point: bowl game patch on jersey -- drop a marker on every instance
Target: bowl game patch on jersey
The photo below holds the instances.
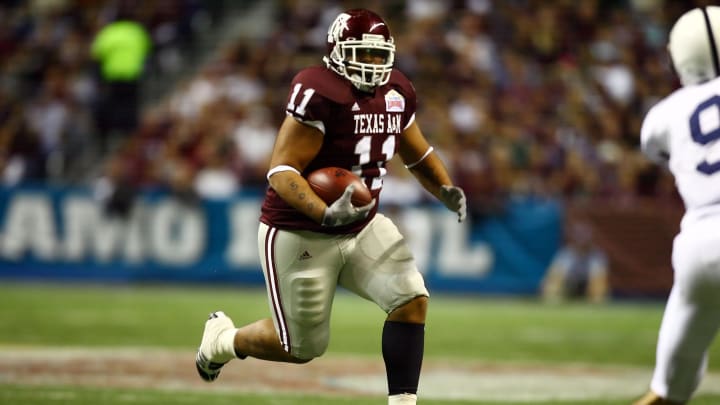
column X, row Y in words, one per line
column 394, row 101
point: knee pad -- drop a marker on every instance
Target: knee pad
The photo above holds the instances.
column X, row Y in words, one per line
column 311, row 300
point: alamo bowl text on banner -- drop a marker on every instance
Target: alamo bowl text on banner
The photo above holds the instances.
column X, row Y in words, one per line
column 65, row 234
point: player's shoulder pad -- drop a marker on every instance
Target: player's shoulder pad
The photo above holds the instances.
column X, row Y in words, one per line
column 654, row 131
column 326, row 83
column 653, row 119
column 399, row 81
column 662, row 110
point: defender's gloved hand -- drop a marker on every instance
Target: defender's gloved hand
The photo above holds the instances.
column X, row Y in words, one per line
column 454, row 199
column 342, row 212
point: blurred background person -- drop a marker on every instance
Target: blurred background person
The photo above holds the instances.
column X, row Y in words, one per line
column 115, row 190
column 579, row 270
column 120, row 48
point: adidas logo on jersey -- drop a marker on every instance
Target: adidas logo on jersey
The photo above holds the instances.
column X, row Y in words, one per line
column 305, row 255
column 355, row 107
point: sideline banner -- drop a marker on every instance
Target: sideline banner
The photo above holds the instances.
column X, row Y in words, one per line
column 63, row 233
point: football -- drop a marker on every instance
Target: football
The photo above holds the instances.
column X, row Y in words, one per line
column 330, row 182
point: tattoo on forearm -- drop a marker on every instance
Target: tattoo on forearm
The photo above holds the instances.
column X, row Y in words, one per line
column 302, row 196
column 294, row 186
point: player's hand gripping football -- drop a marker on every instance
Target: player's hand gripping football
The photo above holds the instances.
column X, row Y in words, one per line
column 342, row 212
column 454, row 199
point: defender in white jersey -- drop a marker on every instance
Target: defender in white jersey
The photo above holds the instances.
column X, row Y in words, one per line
column 683, row 131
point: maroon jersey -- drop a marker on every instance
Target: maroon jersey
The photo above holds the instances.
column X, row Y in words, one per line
column 360, row 130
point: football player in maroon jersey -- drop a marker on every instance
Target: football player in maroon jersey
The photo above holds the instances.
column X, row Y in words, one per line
column 354, row 112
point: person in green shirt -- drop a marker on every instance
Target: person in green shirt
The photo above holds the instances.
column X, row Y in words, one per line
column 120, row 48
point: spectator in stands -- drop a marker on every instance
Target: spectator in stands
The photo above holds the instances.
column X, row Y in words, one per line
column 558, row 82
column 216, row 179
column 254, row 137
column 579, row 270
column 120, row 48
column 115, row 191
column 20, row 148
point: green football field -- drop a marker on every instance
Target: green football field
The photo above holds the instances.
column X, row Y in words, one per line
column 135, row 344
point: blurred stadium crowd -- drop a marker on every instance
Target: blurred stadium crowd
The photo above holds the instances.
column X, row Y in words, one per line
column 522, row 97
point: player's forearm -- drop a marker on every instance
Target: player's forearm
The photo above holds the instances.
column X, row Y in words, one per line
column 432, row 174
column 295, row 190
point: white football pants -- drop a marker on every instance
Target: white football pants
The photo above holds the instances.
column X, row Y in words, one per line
column 692, row 314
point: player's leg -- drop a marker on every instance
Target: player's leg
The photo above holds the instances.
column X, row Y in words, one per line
column 260, row 340
column 674, row 356
column 381, row 268
column 691, row 318
column 222, row 342
column 301, row 275
column 301, row 271
column 403, row 345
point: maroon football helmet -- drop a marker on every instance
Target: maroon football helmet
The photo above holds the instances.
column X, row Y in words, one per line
column 359, row 32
